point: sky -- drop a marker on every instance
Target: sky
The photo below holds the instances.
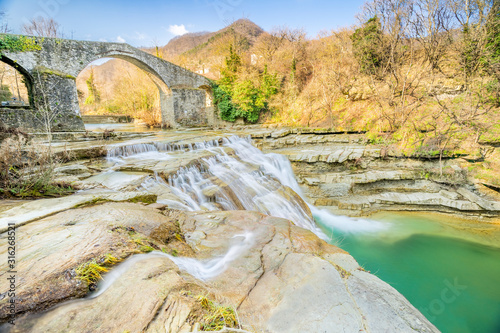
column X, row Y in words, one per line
column 155, row 22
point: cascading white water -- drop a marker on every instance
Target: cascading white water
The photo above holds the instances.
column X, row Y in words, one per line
column 247, row 179
column 256, row 181
column 139, row 148
column 279, row 167
column 155, row 150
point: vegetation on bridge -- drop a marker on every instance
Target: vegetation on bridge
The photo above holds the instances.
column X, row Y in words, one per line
column 15, row 43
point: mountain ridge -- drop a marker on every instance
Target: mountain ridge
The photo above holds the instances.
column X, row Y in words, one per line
column 190, row 41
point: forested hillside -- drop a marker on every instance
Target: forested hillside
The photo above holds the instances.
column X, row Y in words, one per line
column 422, row 74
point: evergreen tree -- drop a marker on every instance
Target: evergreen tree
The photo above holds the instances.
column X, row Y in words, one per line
column 493, row 40
column 238, row 97
column 230, row 70
column 367, row 43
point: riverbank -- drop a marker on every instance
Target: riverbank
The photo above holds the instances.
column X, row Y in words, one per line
column 188, row 198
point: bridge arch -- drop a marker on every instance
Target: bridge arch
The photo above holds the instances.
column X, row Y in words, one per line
column 62, row 60
column 121, row 86
column 130, row 58
column 28, row 78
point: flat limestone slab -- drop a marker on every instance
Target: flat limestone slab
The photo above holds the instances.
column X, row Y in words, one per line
column 49, row 250
column 35, row 210
column 146, row 284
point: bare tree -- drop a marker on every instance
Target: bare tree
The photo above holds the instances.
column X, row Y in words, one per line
column 43, row 27
column 293, row 40
column 291, row 58
column 394, row 79
column 266, row 46
column 432, row 28
column 4, row 27
column 334, row 74
column 45, row 114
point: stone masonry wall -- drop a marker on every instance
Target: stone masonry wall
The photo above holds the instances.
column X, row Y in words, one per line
column 189, row 107
column 19, row 118
column 56, row 101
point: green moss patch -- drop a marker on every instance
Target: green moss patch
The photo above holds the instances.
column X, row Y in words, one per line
column 90, row 272
column 48, row 71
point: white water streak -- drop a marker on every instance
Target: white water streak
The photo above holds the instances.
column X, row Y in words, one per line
column 202, row 270
column 347, row 224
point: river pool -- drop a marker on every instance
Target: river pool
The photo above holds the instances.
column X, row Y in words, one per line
column 448, row 268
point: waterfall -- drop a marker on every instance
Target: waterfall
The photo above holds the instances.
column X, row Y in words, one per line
column 248, row 180
column 154, row 150
column 244, row 179
column 279, row 167
column 139, row 148
column 237, row 176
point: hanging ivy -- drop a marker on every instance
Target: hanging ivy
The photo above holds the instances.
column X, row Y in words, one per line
column 14, row 43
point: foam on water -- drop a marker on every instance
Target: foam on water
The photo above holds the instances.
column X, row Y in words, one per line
column 347, row 224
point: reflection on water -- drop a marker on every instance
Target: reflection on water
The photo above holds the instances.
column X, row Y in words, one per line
column 446, row 267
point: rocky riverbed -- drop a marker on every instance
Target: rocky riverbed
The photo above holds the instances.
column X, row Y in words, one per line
column 288, row 280
column 181, row 222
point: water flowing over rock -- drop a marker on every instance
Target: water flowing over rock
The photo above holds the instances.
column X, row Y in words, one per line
column 216, row 219
column 244, row 178
column 288, row 280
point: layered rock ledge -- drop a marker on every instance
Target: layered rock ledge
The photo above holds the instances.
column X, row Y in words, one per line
column 345, row 174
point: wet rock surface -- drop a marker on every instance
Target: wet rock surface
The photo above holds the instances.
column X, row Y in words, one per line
column 287, row 281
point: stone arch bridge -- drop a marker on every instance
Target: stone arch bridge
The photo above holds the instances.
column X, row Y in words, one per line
column 50, row 69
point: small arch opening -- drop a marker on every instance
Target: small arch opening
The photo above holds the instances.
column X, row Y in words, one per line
column 208, row 95
column 15, row 86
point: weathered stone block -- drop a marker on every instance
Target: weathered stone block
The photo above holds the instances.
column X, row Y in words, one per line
column 189, row 107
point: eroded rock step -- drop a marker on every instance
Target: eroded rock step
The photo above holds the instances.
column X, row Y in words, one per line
column 346, row 175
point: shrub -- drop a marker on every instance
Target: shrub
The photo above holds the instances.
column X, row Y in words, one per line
column 237, row 96
column 27, row 169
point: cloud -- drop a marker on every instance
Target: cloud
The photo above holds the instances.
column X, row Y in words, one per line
column 177, row 30
column 103, row 40
column 119, row 39
column 140, row 36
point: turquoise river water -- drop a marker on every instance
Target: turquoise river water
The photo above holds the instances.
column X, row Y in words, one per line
column 446, row 267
